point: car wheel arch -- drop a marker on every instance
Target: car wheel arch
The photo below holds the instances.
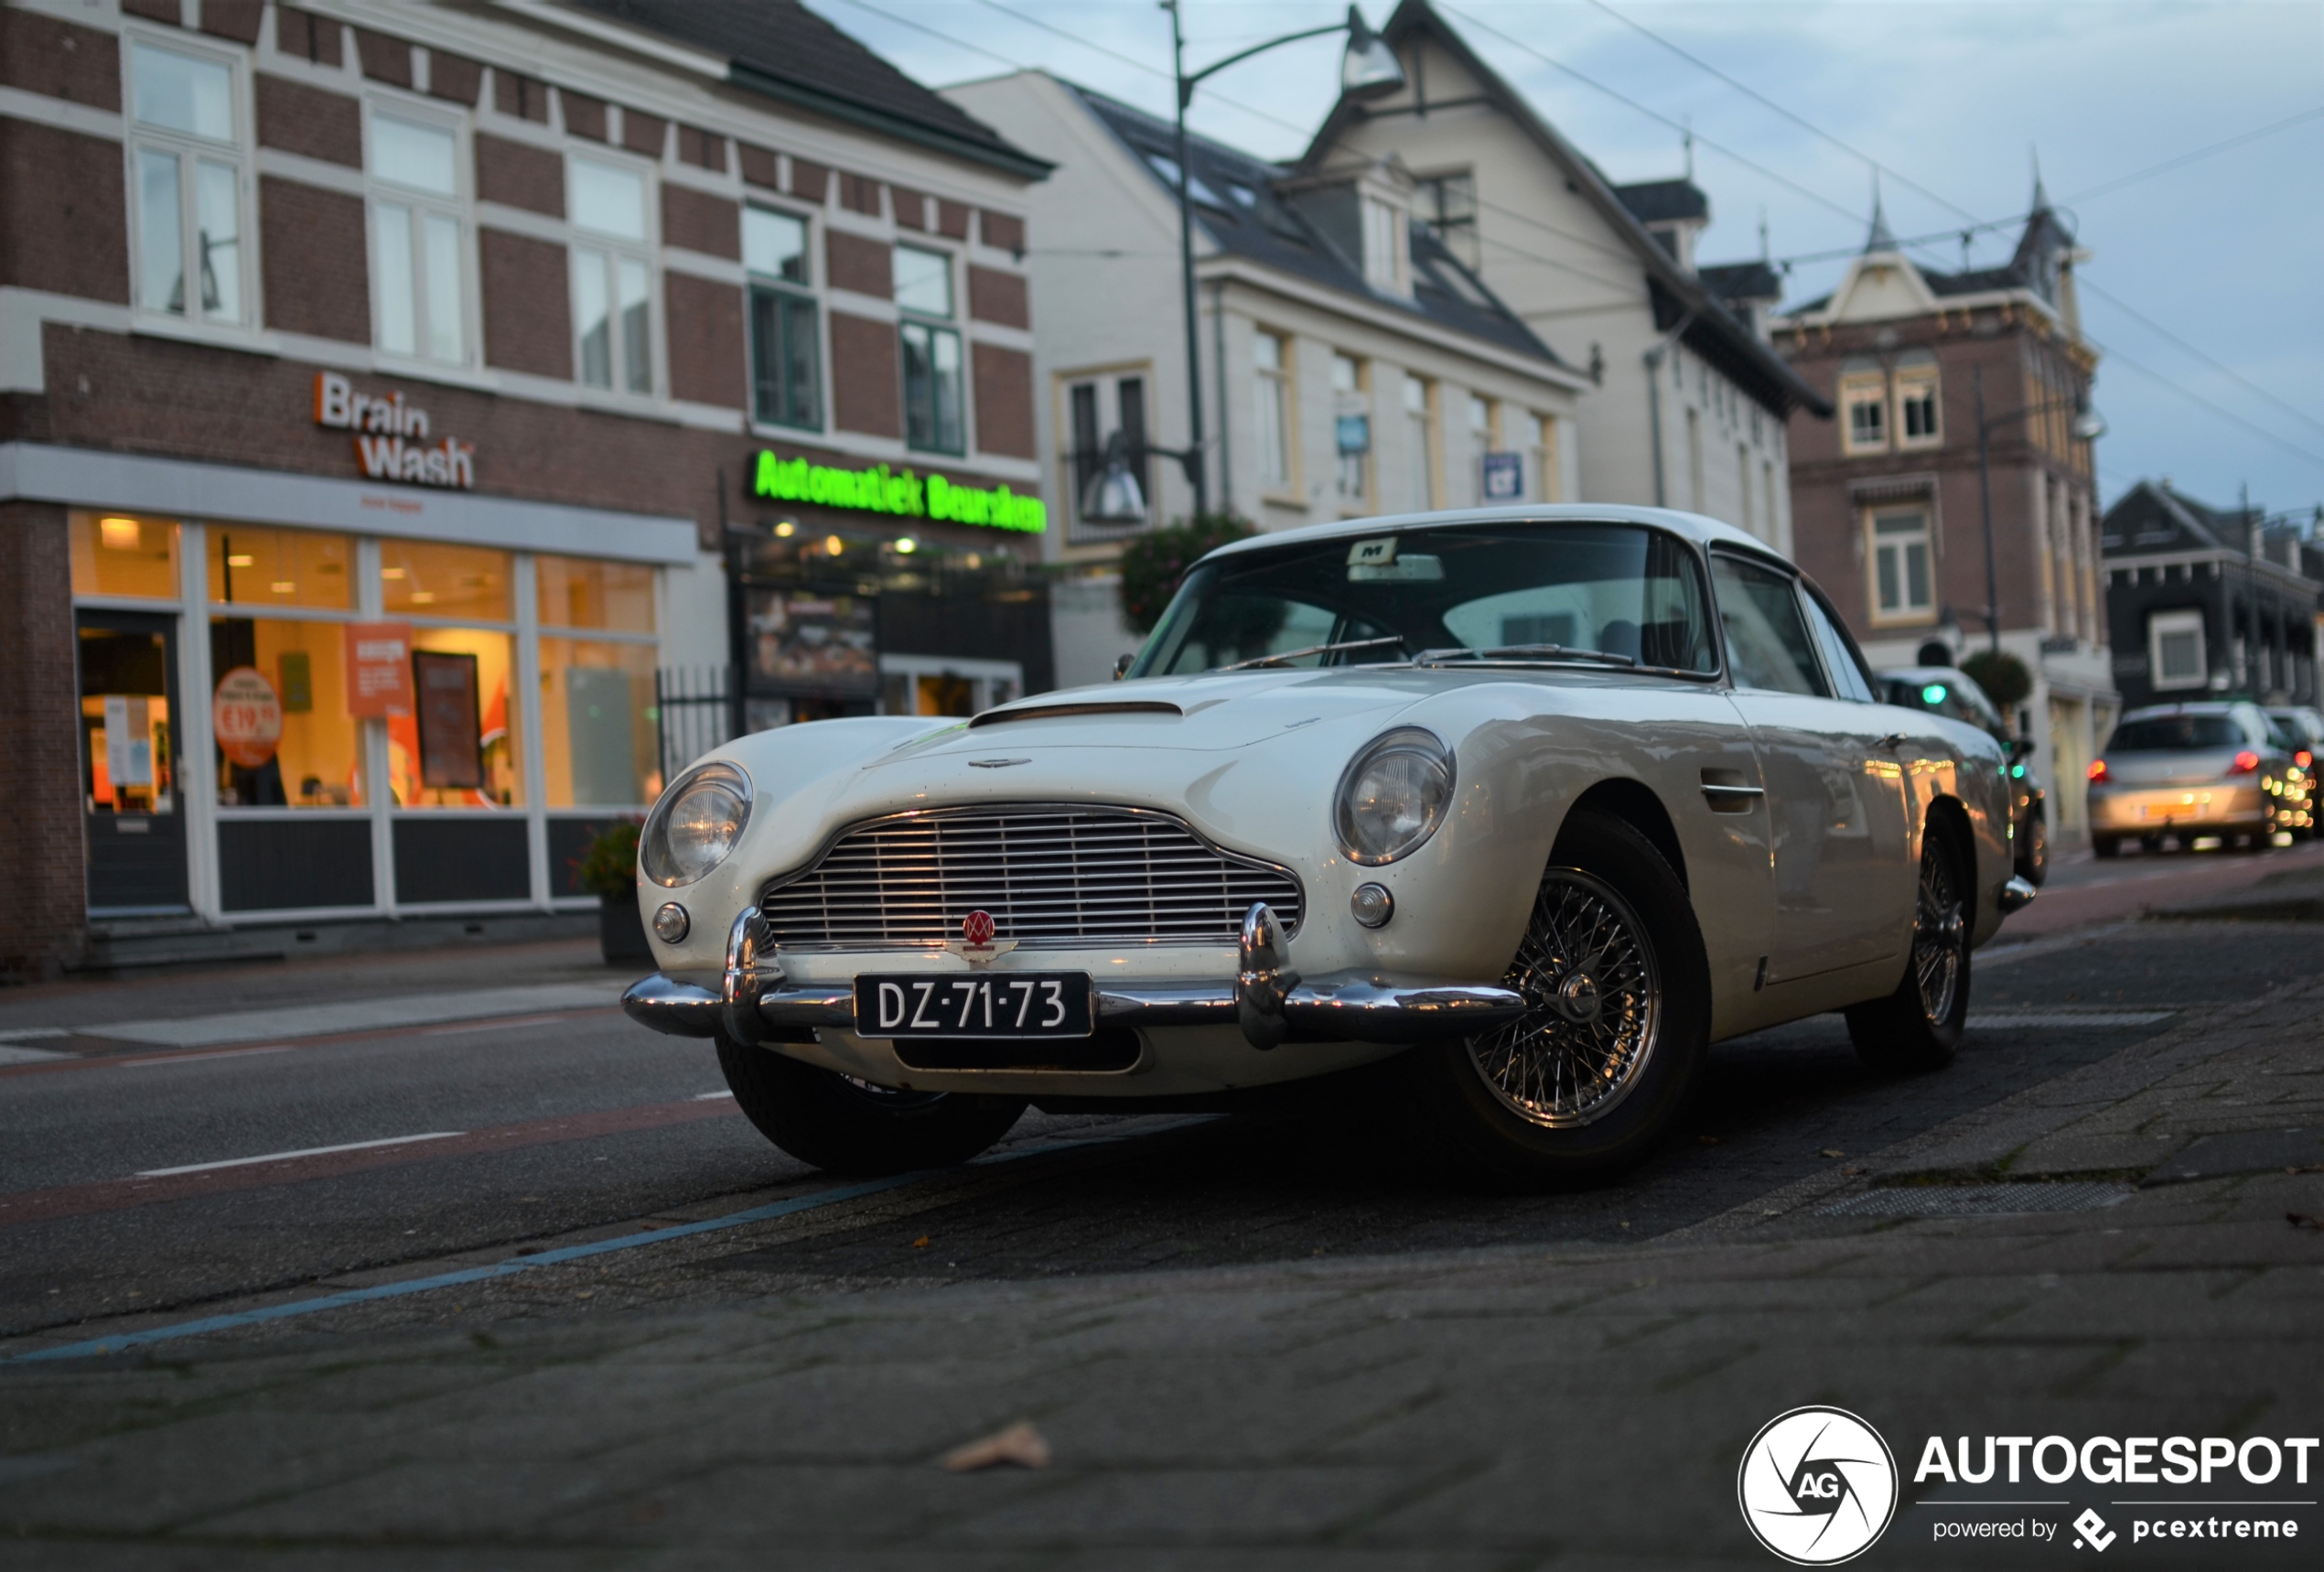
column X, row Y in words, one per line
column 1953, row 814
column 1634, row 802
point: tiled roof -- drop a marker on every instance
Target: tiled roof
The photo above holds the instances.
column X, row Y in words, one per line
column 1248, row 214
column 781, row 46
column 1662, row 201
column 2151, row 517
column 1735, row 282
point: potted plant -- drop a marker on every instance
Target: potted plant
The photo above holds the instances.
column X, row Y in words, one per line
column 607, row 867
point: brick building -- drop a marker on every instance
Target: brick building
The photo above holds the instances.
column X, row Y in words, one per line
column 389, row 393
column 1887, row 499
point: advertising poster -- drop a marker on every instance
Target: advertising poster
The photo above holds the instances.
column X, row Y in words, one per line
column 808, row 644
column 378, row 671
column 247, row 715
column 450, row 721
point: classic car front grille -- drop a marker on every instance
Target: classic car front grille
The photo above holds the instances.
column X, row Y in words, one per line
column 1048, row 876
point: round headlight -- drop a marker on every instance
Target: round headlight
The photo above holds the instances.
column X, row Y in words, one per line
column 1394, row 794
column 695, row 825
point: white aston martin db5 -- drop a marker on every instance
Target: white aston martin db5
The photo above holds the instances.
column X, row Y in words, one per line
column 1545, row 800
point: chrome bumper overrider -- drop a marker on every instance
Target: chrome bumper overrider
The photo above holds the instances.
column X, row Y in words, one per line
column 1271, row 1003
column 2016, row 893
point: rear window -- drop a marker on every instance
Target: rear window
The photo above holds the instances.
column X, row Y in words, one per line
column 2176, row 733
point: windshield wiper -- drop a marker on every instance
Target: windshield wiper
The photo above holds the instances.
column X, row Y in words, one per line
column 1290, row 656
column 1522, row 652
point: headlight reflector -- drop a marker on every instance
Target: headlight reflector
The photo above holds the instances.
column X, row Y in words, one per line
column 697, row 822
column 1394, row 796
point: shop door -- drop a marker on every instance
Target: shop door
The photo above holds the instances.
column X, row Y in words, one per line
column 130, row 757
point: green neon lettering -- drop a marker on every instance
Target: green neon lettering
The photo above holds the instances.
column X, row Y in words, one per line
column 879, row 490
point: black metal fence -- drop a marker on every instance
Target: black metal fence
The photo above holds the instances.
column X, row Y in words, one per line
column 695, row 707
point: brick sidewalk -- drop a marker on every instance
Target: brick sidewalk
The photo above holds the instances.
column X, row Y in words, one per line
column 1505, row 1407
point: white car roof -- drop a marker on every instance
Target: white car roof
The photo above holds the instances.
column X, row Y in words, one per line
column 1694, row 527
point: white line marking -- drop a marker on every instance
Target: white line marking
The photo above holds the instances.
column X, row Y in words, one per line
column 135, row 1061
column 710, row 1096
column 302, row 1152
column 27, row 1033
column 2019, row 1018
column 504, row 1024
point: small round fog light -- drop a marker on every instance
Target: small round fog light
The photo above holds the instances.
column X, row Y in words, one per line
column 670, row 923
column 1372, row 905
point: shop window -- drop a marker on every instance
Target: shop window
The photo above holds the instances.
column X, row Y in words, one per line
column 1902, row 582
column 1352, row 429
column 612, row 284
column 458, row 748
column 933, row 391
column 786, row 355
column 1271, row 369
column 279, row 714
column 417, row 273
column 250, row 565
column 429, row 580
column 1420, row 445
column 599, row 729
column 113, row 554
column 189, row 170
column 576, row 593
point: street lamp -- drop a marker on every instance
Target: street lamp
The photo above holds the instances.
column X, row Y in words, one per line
column 2087, row 426
column 1368, row 69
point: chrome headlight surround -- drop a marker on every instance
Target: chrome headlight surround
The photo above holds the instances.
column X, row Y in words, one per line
column 696, row 824
column 1392, row 796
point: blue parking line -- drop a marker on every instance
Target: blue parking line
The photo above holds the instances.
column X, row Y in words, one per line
column 122, row 1341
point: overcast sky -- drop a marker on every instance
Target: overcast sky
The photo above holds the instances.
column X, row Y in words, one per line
column 2225, row 254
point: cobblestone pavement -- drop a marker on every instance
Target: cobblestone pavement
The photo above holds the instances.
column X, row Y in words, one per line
column 1438, row 1379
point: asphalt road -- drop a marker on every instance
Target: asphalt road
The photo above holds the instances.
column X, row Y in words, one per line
column 127, row 1185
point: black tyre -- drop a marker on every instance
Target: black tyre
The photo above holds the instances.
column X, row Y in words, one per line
column 1589, row 1080
column 849, row 1126
column 2033, row 856
column 2111, row 847
column 1919, row 1027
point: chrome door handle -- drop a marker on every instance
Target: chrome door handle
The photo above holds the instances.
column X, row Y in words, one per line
column 1894, row 740
column 1731, row 796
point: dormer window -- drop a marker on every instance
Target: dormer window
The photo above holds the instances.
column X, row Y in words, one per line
column 1387, row 249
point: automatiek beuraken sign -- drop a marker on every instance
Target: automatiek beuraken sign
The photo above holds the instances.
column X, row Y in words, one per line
column 391, row 436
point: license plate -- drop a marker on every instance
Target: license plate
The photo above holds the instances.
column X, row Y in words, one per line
column 1003, row 1004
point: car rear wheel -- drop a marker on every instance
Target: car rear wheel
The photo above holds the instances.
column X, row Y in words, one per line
column 2109, row 847
column 2033, row 859
column 1589, row 1079
column 1919, row 1027
column 849, row 1126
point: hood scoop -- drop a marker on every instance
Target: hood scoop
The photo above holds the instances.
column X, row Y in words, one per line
column 1089, row 706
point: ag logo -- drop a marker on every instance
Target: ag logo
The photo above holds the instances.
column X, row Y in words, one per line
column 1817, row 1487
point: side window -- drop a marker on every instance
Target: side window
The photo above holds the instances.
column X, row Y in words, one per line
column 1849, row 676
column 1768, row 644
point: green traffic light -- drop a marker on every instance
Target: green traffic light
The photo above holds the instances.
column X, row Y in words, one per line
column 1934, row 693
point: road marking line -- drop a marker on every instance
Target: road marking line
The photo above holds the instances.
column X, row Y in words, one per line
column 710, row 1096
column 508, row 1268
column 302, row 1152
column 505, row 1022
column 139, row 1060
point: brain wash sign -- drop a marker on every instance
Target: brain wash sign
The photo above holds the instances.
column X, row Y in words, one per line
column 904, row 494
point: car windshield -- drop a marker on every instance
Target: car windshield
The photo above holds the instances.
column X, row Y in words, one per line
column 2175, row 734
column 1605, row 595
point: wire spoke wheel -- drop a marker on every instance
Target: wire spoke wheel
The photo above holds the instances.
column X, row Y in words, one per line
column 1588, row 969
column 1940, row 933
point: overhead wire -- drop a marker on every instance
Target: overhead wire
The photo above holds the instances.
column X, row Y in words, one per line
column 2183, row 390
column 2151, row 325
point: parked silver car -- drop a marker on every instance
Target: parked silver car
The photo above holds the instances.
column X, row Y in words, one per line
column 2217, row 768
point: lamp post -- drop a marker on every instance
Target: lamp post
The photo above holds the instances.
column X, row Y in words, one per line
column 2088, row 427
column 1368, row 69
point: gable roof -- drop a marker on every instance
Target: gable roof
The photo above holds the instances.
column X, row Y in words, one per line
column 780, row 50
column 2042, row 247
column 2151, row 517
column 1710, row 329
column 1250, row 214
column 1735, row 282
column 1664, row 201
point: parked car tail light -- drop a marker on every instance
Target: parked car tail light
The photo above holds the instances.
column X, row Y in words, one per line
column 2098, row 771
column 2245, row 762
column 2303, row 759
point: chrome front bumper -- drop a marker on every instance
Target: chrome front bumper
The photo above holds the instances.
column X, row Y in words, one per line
column 752, row 1002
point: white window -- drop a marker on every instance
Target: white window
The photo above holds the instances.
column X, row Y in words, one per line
column 934, row 400
column 1903, row 587
column 418, row 240
column 1352, row 428
column 1917, row 403
column 2175, row 651
column 786, row 338
column 1863, row 407
column 1695, row 459
column 1743, row 490
column 1270, row 370
column 612, row 276
column 1537, row 441
column 1484, row 436
column 1385, row 249
column 1420, row 445
column 186, row 180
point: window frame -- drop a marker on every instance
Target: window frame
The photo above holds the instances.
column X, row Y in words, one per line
column 1423, row 432
column 1361, row 500
column 1278, row 384
column 1913, row 380
column 908, row 318
column 757, row 284
column 1859, row 390
column 460, row 207
column 615, row 250
column 2161, row 624
column 238, row 152
column 1906, row 614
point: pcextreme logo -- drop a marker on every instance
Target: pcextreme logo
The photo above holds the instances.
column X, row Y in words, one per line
column 1817, row 1487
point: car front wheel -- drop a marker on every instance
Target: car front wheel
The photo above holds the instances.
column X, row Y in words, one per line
column 1589, row 1079
column 850, row 1127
